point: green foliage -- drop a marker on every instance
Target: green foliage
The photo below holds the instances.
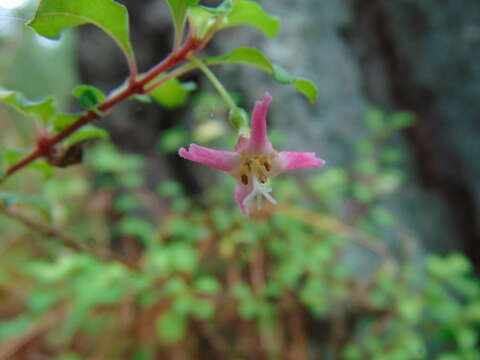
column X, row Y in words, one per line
column 179, row 11
column 54, row 16
column 256, row 58
column 247, row 12
column 172, row 93
column 42, row 110
column 243, row 12
column 89, row 96
column 86, row 133
column 12, row 156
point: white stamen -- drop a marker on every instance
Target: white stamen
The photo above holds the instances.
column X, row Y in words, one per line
column 258, row 191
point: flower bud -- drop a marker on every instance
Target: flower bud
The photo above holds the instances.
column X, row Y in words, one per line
column 239, row 119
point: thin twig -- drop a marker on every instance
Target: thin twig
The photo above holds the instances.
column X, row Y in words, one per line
column 134, row 87
column 51, row 232
column 43, row 229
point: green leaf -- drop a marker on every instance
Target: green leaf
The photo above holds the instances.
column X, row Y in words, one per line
column 247, row 12
column 203, row 18
column 207, row 285
column 85, row 133
column 14, row 156
column 307, row 88
column 14, row 327
column 43, row 109
column 179, row 11
column 139, row 227
column 172, row 93
column 243, row 55
column 256, row 58
column 171, row 327
column 89, row 96
column 62, row 120
column 54, row 16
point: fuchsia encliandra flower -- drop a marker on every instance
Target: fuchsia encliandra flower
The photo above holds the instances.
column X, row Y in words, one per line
column 254, row 160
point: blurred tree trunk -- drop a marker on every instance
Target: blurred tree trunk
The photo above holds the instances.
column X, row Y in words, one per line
column 399, row 55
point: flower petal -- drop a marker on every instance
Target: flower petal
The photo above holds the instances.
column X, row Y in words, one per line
column 241, row 192
column 259, row 142
column 298, row 160
column 218, row 159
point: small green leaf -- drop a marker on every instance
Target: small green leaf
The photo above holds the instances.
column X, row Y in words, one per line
column 62, row 120
column 202, row 18
column 179, row 9
column 171, row 327
column 85, row 133
column 137, row 226
column 43, row 109
column 172, row 93
column 89, row 96
column 243, row 55
column 254, row 57
column 247, row 12
column 54, row 16
column 14, row 156
column 307, row 88
column 207, row 285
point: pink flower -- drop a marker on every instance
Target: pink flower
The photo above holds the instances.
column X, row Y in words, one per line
column 254, row 160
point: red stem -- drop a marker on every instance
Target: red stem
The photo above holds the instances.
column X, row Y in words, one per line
column 134, row 87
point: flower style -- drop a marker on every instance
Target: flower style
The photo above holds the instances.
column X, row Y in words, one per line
column 254, row 160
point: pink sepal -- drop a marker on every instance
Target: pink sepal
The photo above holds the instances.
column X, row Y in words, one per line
column 298, row 160
column 259, row 142
column 241, row 192
column 218, row 159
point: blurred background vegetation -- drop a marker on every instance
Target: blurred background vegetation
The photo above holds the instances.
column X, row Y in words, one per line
column 374, row 256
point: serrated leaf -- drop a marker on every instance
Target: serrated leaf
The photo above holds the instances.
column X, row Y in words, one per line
column 54, row 16
column 85, row 133
column 89, row 96
column 256, row 58
column 43, row 109
column 172, row 93
column 247, row 12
